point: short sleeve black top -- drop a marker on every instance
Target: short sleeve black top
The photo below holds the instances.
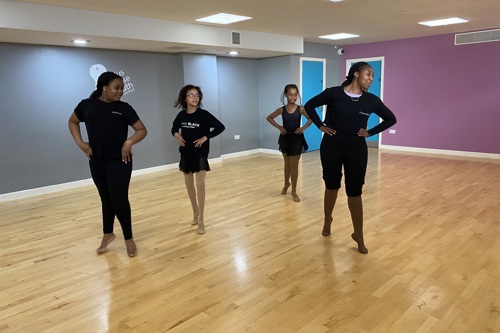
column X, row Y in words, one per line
column 347, row 115
column 193, row 126
column 106, row 124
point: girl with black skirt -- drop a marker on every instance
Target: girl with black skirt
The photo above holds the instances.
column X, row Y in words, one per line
column 292, row 142
column 193, row 128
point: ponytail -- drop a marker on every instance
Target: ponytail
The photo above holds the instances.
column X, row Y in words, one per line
column 103, row 80
column 354, row 68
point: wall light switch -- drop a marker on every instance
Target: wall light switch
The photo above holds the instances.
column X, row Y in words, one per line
column 237, row 137
column 392, row 131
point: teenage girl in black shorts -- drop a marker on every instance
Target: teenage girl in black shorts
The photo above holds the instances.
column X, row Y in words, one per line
column 344, row 145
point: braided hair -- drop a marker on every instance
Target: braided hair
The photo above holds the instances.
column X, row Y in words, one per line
column 103, row 80
column 289, row 87
column 357, row 67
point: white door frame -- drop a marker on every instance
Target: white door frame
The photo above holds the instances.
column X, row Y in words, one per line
column 348, row 64
column 323, row 60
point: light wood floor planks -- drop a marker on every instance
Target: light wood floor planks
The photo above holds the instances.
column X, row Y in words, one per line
column 432, row 225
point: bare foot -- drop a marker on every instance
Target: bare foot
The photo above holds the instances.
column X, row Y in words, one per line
column 131, row 247
column 106, row 239
column 326, row 227
column 361, row 243
column 285, row 188
column 295, row 197
column 201, row 227
column 195, row 217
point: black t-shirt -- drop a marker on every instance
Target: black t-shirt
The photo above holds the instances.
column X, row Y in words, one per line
column 193, row 126
column 347, row 115
column 107, row 125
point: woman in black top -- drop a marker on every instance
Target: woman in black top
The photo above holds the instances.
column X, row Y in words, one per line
column 344, row 145
column 109, row 152
column 192, row 128
column 292, row 142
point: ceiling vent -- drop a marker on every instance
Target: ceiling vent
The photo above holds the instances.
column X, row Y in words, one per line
column 478, row 37
column 235, row 38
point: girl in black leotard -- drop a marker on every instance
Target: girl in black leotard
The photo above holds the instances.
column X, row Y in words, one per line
column 291, row 140
column 344, row 145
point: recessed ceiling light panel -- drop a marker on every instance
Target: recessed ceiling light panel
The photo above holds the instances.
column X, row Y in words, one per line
column 342, row 35
column 447, row 21
column 79, row 41
column 223, row 18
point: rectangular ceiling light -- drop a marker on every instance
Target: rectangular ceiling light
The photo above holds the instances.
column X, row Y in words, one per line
column 339, row 36
column 451, row 20
column 336, row 0
column 223, row 18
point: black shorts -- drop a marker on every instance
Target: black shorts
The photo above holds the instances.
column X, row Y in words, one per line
column 350, row 152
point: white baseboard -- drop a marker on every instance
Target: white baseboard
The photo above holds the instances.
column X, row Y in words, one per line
column 76, row 184
column 44, row 190
column 270, row 151
column 441, row 152
column 159, row 168
column 86, row 182
column 240, row 153
column 251, row 152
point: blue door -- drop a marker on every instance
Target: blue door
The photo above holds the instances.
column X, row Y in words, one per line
column 312, row 84
column 375, row 89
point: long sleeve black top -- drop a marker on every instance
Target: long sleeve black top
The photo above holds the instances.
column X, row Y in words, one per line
column 193, row 126
column 347, row 115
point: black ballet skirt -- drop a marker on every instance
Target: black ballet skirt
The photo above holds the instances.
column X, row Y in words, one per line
column 292, row 144
column 193, row 164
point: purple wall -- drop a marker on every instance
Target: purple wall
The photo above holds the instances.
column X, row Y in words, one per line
column 444, row 96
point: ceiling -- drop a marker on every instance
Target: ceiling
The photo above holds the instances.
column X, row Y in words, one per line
column 373, row 20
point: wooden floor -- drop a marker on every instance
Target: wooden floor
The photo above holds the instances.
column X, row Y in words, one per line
column 432, row 225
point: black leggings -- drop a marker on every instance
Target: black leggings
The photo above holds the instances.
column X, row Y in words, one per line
column 112, row 178
column 345, row 150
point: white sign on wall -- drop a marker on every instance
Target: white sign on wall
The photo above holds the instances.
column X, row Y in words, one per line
column 97, row 69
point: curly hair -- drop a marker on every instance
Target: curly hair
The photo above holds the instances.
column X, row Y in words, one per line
column 181, row 100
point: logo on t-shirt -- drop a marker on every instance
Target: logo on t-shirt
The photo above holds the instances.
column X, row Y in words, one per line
column 188, row 124
column 116, row 112
column 364, row 113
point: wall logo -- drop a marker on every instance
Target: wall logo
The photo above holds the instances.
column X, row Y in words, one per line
column 128, row 87
column 98, row 69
